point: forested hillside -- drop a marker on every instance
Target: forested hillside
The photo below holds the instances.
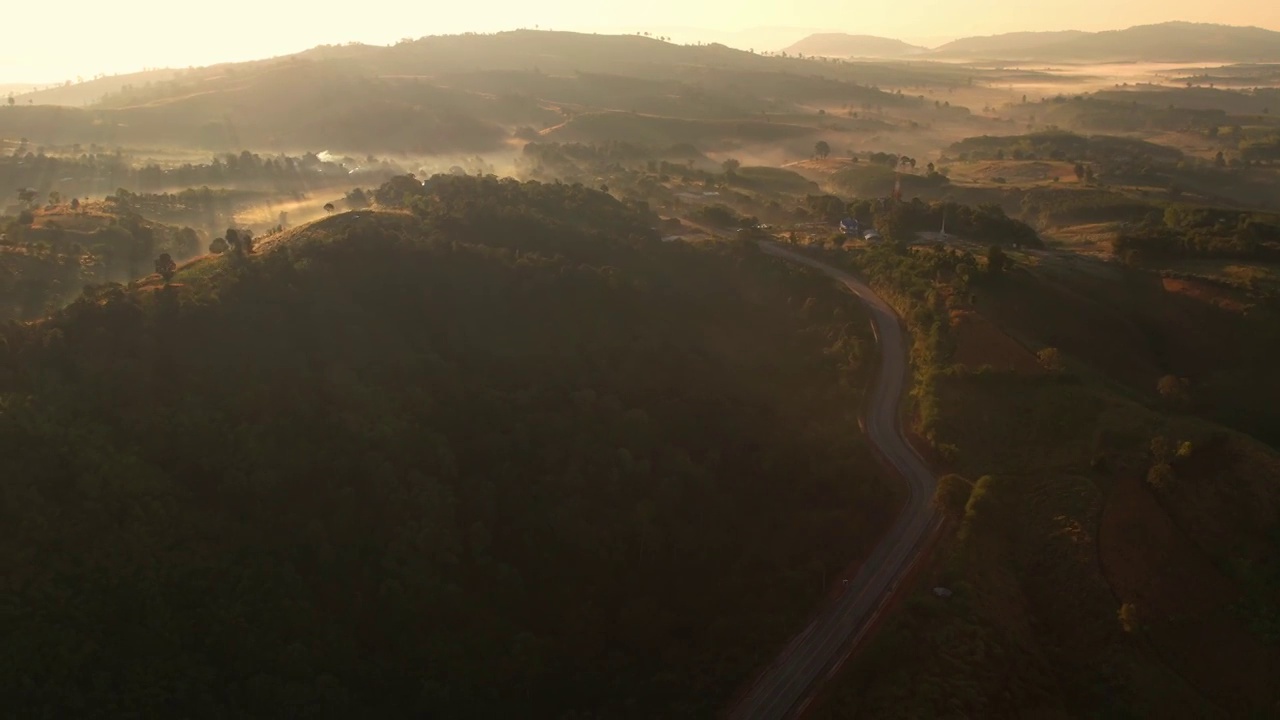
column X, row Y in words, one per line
column 505, row 455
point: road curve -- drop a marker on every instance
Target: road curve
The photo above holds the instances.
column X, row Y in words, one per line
column 784, row 687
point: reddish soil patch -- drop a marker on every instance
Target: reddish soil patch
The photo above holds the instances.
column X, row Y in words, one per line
column 979, row 343
column 1204, row 292
column 1183, row 602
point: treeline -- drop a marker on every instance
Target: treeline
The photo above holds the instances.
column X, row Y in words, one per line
column 1096, row 114
column 98, row 173
column 1261, row 150
column 508, row 456
column 627, row 167
column 899, row 222
column 1202, row 232
column 43, row 267
column 1062, row 206
column 878, row 179
column 1061, row 145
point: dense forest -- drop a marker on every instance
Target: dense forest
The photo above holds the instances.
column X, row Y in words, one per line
column 93, row 171
column 505, row 454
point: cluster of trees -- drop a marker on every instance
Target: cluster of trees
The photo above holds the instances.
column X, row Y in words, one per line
column 723, row 216
column 564, row 160
column 1062, row 145
column 879, row 179
column 899, row 222
column 510, row 455
column 1097, row 114
column 96, row 174
column 908, row 281
column 1261, row 150
column 1185, row 231
column 43, row 267
column 1050, row 206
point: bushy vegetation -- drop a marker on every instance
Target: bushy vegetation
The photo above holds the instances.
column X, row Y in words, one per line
column 1101, row 114
column 899, row 222
column 97, row 172
column 1043, row 616
column 870, row 179
column 1202, row 232
column 509, row 455
column 1054, row 206
column 1060, row 145
column 46, row 259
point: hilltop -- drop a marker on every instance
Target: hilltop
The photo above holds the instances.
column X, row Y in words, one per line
column 845, row 45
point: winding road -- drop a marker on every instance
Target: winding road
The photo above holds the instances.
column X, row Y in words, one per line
column 785, row 687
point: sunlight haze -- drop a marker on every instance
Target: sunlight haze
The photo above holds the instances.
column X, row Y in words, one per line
column 136, row 34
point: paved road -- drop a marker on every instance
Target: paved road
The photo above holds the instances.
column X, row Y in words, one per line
column 784, row 688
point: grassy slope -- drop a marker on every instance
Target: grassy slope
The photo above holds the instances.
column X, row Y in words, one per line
column 1069, row 531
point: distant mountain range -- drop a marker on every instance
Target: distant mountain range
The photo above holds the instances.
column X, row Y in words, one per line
column 1165, row 42
column 844, row 45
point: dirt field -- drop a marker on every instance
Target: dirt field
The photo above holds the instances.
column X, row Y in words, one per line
column 979, row 343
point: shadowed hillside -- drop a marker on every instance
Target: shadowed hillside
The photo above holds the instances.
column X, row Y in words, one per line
column 506, row 454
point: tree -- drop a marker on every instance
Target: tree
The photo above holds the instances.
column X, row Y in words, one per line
column 328, row 207
column 357, row 199
column 1080, row 171
column 1161, row 471
column 952, row 495
column 997, row 261
column 1220, row 160
column 55, row 197
column 1050, row 359
column 1129, row 618
column 75, row 203
column 11, row 100
column 166, row 267
column 26, row 196
column 218, row 246
column 730, row 166
column 822, row 149
column 1174, row 390
column 1088, row 173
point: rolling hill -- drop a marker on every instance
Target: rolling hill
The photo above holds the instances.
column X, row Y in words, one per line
column 1165, row 42
column 444, row 94
column 846, row 46
column 1015, row 44
column 357, row 473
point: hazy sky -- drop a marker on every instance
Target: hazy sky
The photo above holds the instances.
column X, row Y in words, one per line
column 85, row 37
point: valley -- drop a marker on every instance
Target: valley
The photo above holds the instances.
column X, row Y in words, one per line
column 561, row 374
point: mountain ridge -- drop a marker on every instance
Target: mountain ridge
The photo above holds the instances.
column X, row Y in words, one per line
column 848, row 45
column 1174, row 41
